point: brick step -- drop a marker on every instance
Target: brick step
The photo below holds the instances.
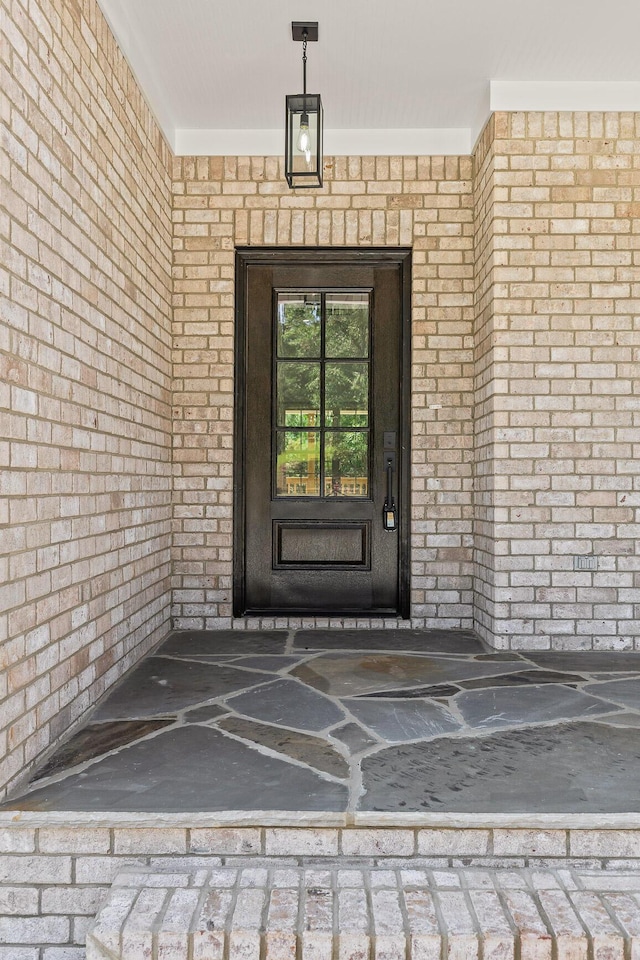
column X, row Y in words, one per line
column 333, row 912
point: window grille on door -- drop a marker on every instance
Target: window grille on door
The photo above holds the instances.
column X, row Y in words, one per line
column 321, row 394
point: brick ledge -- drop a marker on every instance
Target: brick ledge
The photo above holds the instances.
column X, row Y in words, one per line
column 302, row 819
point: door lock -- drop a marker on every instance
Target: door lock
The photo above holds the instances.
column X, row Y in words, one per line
column 389, row 510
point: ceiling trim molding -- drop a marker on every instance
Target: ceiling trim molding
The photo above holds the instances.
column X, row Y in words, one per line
column 510, row 95
column 228, row 143
column 455, row 141
column 431, row 141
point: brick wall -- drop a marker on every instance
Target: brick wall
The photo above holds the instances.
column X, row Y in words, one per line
column 484, row 415
column 84, row 372
column 424, row 202
column 558, row 381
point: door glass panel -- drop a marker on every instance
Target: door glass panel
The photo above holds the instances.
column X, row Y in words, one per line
column 298, row 394
column 346, row 394
column 346, row 465
column 322, row 394
column 299, row 323
column 347, row 325
column 298, row 463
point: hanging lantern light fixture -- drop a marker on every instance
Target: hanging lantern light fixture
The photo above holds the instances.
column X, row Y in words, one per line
column 303, row 138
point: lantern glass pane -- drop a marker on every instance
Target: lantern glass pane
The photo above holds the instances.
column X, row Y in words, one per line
column 305, row 142
column 303, row 154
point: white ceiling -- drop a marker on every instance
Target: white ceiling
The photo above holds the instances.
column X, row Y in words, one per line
column 396, row 76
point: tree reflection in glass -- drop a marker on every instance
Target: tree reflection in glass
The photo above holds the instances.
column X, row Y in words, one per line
column 299, row 324
column 298, row 393
column 346, row 396
column 298, row 464
column 347, row 325
column 346, row 467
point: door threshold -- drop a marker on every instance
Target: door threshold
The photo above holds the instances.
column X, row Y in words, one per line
column 332, row 614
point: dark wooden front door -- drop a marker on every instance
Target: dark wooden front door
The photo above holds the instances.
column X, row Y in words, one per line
column 321, row 454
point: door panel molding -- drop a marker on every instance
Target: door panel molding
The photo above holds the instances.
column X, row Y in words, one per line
column 298, row 544
column 353, row 553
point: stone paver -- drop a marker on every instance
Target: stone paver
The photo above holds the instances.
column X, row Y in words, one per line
column 355, row 722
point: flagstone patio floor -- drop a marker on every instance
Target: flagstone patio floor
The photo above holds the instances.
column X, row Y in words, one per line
column 393, row 720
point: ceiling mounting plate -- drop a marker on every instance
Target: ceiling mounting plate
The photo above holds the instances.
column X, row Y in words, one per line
column 299, row 26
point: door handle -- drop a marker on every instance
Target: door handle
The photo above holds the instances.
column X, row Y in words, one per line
column 389, row 511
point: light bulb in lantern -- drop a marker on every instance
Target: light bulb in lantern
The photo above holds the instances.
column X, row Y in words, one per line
column 304, row 138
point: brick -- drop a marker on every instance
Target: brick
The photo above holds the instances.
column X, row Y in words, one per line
column 147, row 841
column 280, row 936
column 565, row 925
column 19, row 900
column 301, row 842
column 64, row 953
column 73, row 840
column 225, row 841
column 353, row 922
column 423, row 925
column 459, row 925
column 72, row 900
column 35, row 869
column 453, row 843
column 37, row 930
column 535, row 938
column 496, row 933
column 244, row 928
column 604, row 843
column 596, row 919
column 17, row 840
column 102, row 870
column 388, row 923
column 372, row 843
column 625, row 908
column 534, row 843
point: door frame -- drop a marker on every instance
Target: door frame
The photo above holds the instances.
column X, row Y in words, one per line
column 264, row 256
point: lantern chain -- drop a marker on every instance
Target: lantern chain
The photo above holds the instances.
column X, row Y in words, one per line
column 304, row 62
